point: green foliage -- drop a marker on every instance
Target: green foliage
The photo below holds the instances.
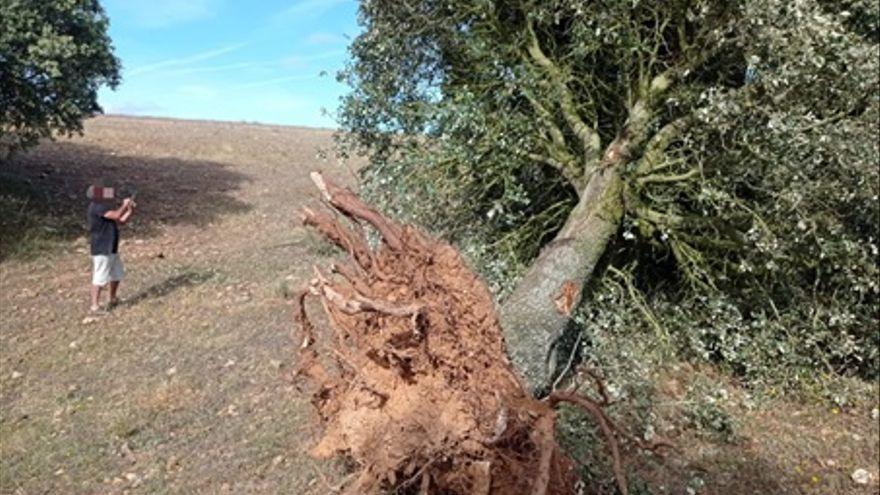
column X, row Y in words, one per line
column 705, row 409
column 775, row 241
column 54, row 55
column 751, row 231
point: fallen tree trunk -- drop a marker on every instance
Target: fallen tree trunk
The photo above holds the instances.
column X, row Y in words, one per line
column 412, row 381
column 535, row 315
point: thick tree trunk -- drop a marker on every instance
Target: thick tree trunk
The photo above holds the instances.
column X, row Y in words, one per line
column 535, row 315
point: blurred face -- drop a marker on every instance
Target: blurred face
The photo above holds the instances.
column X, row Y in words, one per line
column 101, row 193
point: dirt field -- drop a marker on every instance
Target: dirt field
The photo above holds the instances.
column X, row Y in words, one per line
column 180, row 389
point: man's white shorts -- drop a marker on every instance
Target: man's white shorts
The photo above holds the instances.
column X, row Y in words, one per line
column 106, row 268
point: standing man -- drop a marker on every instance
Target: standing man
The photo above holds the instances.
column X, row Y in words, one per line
column 104, row 222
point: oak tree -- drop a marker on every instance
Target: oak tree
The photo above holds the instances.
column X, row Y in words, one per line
column 705, row 172
column 54, row 55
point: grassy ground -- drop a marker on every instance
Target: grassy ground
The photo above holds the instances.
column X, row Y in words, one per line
column 730, row 443
column 181, row 389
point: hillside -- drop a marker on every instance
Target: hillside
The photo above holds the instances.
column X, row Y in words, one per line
column 181, row 389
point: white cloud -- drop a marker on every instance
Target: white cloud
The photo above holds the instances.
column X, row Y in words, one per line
column 176, row 62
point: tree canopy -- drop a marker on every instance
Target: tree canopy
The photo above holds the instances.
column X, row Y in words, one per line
column 714, row 164
column 53, row 58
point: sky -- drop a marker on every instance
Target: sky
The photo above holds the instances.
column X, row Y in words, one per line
column 268, row 61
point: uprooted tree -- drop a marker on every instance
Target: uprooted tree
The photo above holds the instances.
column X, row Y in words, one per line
column 719, row 160
column 703, row 172
column 410, row 375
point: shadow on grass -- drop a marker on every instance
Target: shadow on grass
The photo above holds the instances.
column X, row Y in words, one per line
column 696, row 464
column 730, row 470
column 169, row 285
column 43, row 201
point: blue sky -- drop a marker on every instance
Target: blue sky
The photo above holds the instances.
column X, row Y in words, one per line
column 258, row 61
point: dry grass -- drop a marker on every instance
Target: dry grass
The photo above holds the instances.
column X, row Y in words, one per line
column 180, row 389
column 779, row 446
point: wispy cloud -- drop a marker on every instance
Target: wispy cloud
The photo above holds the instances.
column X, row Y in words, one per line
column 276, row 80
column 219, row 68
column 134, row 108
column 185, row 59
column 324, row 38
column 300, row 59
column 198, row 91
column 307, row 8
column 179, row 61
column 182, row 66
column 164, row 13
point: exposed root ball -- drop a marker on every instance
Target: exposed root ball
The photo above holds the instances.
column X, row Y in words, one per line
column 411, row 380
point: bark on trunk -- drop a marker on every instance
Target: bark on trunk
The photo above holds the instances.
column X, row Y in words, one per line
column 531, row 317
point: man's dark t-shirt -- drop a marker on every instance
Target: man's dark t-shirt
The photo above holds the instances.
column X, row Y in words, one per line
column 104, row 234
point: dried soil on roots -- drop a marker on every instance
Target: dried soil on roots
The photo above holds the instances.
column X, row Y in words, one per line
column 411, row 379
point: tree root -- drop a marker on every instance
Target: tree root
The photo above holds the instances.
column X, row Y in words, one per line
column 411, row 379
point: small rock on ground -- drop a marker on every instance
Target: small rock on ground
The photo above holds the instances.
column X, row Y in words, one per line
column 861, row 476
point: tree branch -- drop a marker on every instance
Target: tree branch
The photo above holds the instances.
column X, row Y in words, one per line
column 569, row 170
column 560, row 157
column 665, row 179
column 587, row 135
column 656, row 146
column 545, row 115
column 642, row 112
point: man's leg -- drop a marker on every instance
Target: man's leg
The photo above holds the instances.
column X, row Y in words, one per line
column 117, row 271
column 114, row 286
column 96, row 297
column 100, row 277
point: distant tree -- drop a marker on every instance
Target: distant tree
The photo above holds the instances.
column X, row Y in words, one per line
column 705, row 170
column 54, row 55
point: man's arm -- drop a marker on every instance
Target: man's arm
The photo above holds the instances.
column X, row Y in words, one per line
column 121, row 214
column 126, row 214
